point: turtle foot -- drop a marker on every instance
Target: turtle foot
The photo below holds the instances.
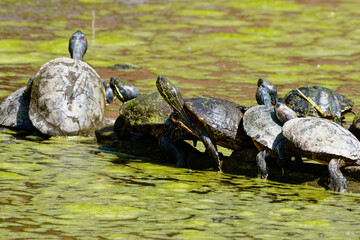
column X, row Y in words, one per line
column 337, row 179
column 339, row 185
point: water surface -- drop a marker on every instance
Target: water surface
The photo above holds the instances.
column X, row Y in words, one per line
column 73, row 188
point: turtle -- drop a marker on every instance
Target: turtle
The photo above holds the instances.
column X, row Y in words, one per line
column 212, row 120
column 263, row 127
column 77, row 49
column 318, row 101
column 67, row 96
column 266, row 93
column 322, row 140
column 14, row 110
column 123, row 91
column 146, row 115
column 315, row 101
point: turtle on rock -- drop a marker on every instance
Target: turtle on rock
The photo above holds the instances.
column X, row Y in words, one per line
column 212, row 120
column 321, row 140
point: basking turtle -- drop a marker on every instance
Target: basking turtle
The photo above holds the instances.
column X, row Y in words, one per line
column 315, row 101
column 77, row 50
column 122, row 90
column 212, row 120
column 318, row 101
column 147, row 115
column 263, row 127
column 144, row 114
column 321, row 140
column 14, row 110
column 67, row 95
column 261, row 124
column 266, row 93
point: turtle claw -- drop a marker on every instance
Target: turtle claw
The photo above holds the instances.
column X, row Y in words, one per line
column 338, row 186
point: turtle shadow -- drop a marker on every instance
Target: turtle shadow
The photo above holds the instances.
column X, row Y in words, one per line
column 146, row 148
column 240, row 162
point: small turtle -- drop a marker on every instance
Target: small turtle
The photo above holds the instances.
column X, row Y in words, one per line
column 67, row 95
column 123, row 91
column 14, row 110
column 212, row 120
column 315, row 101
column 321, row 140
column 266, row 93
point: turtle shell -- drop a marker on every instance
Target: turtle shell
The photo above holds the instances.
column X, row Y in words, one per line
column 146, row 114
column 262, row 125
column 14, row 110
column 329, row 101
column 220, row 117
column 322, row 139
column 67, row 99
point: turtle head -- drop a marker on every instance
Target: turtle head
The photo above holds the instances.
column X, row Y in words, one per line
column 122, row 90
column 284, row 113
column 170, row 93
column 266, row 93
column 77, row 45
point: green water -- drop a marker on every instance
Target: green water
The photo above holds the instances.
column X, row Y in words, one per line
column 75, row 189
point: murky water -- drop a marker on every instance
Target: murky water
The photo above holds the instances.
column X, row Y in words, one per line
column 75, row 189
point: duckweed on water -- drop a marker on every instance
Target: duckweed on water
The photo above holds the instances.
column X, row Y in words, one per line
column 71, row 188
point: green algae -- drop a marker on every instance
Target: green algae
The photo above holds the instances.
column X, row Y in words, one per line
column 200, row 13
column 266, row 5
column 69, row 188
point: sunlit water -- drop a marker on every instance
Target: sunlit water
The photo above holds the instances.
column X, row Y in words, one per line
column 68, row 188
column 74, row 189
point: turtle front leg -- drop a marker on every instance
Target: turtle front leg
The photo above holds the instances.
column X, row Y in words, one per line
column 171, row 150
column 337, row 179
column 262, row 165
column 211, row 150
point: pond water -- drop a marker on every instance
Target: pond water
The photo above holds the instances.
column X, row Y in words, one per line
column 73, row 188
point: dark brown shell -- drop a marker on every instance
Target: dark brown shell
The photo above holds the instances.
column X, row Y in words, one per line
column 220, row 117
